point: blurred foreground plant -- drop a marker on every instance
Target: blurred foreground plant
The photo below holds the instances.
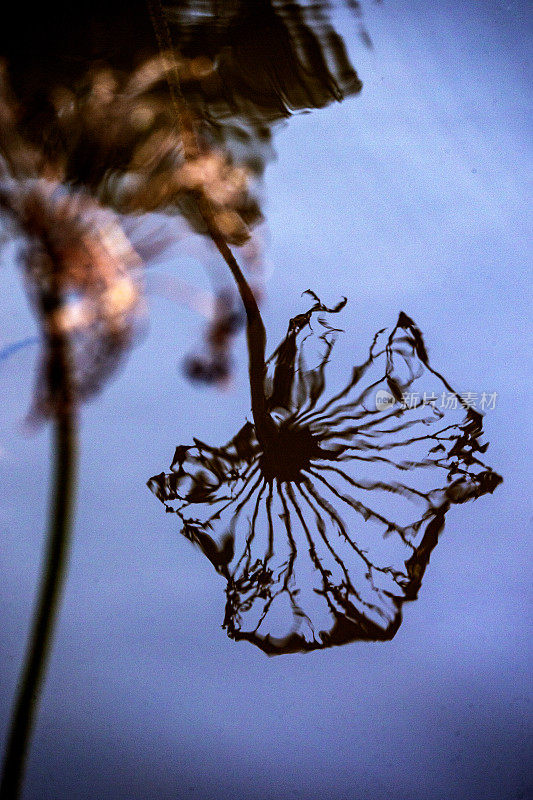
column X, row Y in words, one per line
column 89, row 147
column 80, row 274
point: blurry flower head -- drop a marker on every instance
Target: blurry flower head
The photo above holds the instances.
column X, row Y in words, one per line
column 82, row 275
column 324, row 531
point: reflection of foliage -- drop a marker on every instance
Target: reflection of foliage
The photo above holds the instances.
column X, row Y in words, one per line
column 327, row 529
column 181, row 122
column 95, row 89
column 271, row 58
column 116, row 134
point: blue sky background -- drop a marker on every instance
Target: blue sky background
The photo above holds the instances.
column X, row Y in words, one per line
column 415, row 195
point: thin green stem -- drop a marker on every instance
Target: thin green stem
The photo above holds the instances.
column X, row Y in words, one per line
column 46, row 611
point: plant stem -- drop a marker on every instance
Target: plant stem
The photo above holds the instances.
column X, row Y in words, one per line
column 255, row 330
column 46, row 611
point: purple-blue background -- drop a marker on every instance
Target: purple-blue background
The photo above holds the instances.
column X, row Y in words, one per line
column 413, row 196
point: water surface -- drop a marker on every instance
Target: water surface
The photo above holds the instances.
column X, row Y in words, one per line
column 410, row 196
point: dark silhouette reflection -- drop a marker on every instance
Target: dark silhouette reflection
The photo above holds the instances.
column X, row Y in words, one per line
column 270, row 59
column 322, row 514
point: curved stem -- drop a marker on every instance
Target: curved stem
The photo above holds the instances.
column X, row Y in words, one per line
column 46, row 611
column 255, row 330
